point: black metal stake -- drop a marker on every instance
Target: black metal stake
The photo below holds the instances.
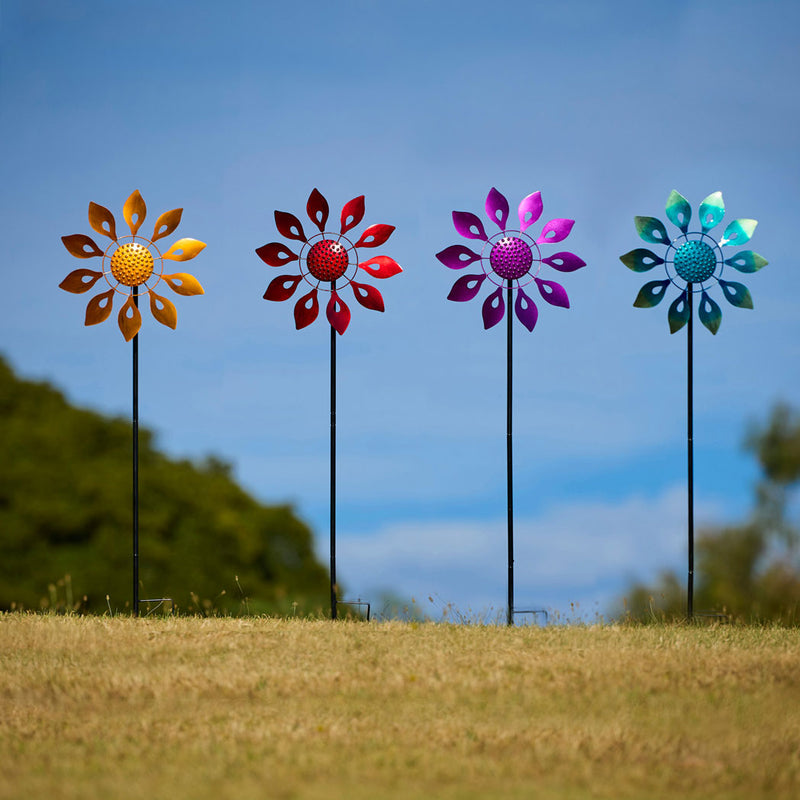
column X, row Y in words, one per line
column 136, row 468
column 333, row 467
column 690, row 457
column 509, row 452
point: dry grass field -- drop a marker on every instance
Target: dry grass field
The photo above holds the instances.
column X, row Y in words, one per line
column 101, row 707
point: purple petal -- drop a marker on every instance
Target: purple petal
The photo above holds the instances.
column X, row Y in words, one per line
column 530, row 209
column 466, row 287
column 553, row 292
column 497, row 208
column 457, row 256
column 555, row 231
column 564, row 262
column 527, row 313
column 465, row 222
column 493, row 308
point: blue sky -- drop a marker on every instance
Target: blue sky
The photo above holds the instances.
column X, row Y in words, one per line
column 232, row 111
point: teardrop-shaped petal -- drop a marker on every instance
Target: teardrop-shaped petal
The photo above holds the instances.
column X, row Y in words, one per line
column 469, row 226
column 99, row 308
column 282, row 287
column 166, row 224
column 747, row 261
column 381, row 267
column 641, row 259
column 738, row 232
column 709, row 313
column 81, row 246
column 457, row 256
column 134, row 211
column 553, row 292
column 184, row 249
column 129, row 319
column 317, row 209
column 184, row 283
column 651, row 230
column 737, row 294
column 530, row 209
column 497, row 208
column 711, row 212
column 375, row 235
column 651, row 294
column 306, row 309
column 163, row 310
column 102, row 220
column 564, row 262
column 526, row 310
column 679, row 212
column 80, row 281
column 338, row 313
column 352, row 213
column 289, row 226
column 679, row 312
column 368, row 296
column 466, row 287
column 493, row 308
column 555, row 231
column 276, row 254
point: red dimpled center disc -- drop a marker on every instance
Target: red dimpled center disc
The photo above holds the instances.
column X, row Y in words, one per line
column 327, row 260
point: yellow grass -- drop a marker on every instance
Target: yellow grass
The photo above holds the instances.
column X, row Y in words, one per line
column 209, row 709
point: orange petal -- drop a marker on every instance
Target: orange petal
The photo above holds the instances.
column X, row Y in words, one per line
column 166, row 224
column 99, row 308
column 80, row 281
column 102, row 220
column 184, row 249
column 81, row 246
column 184, row 283
column 163, row 310
column 134, row 211
column 130, row 320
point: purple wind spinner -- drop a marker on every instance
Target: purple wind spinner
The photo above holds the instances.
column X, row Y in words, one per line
column 510, row 259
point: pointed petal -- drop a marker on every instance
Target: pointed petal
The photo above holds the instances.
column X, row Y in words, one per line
column 184, row 249
column 289, row 226
column 711, row 212
column 679, row 212
column 493, row 308
column 338, row 313
column 651, row 294
column 134, row 211
column 466, row 287
column 737, row 294
column 651, row 230
column 317, row 209
column 469, row 226
column 738, row 232
column 275, row 254
column 553, row 292
column 130, row 320
column 167, row 223
column 352, row 213
column 530, row 209
column 368, row 296
column 555, row 231
column 163, row 310
column 526, row 310
column 747, row 261
column 282, row 287
column 679, row 312
column 102, row 220
column 375, row 235
column 457, row 256
column 709, row 313
column 564, row 262
column 641, row 259
column 81, row 246
column 99, row 308
column 306, row 309
column 497, row 208
column 183, row 283
column 381, row 267
column 80, row 281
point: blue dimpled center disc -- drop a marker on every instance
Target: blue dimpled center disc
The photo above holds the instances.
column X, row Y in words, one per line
column 695, row 261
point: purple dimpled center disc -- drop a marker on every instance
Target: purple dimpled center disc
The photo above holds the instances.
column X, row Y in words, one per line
column 510, row 258
column 327, row 260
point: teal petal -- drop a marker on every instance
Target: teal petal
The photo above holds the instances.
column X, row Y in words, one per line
column 679, row 212
column 712, row 210
column 738, row 232
column 747, row 261
column 641, row 260
column 737, row 294
column 651, row 230
column 709, row 313
column 679, row 313
column 651, row 294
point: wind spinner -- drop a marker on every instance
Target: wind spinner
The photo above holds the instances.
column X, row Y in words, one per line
column 132, row 266
column 694, row 262
column 327, row 262
column 510, row 260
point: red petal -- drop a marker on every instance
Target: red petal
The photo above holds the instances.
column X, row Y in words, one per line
column 355, row 210
column 282, row 287
column 386, row 267
column 317, row 209
column 375, row 235
column 276, row 254
column 289, row 226
column 338, row 313
column 306, row 309
column 368, row 296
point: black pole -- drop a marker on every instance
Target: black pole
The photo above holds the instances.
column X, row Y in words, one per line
column 509, row 451
column 136, row 468
column 333, row 467
column 690, row 457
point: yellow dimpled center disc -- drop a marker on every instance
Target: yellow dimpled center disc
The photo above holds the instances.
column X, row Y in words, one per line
column 132, row 264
